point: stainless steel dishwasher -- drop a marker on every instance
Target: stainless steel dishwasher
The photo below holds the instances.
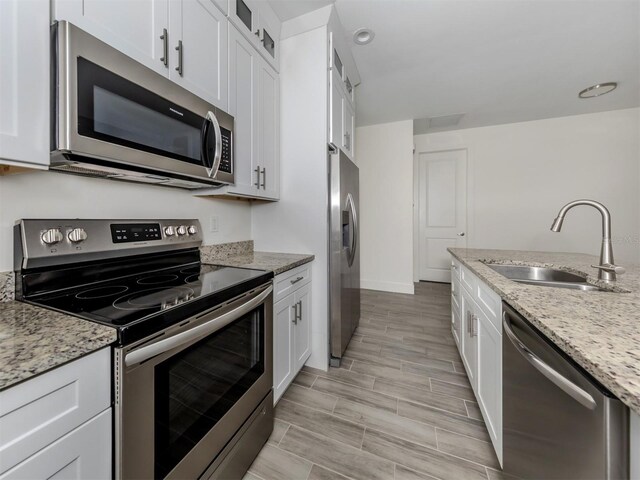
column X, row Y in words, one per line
column 559, row 422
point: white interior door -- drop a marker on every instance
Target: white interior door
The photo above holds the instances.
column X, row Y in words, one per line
column 442, row 210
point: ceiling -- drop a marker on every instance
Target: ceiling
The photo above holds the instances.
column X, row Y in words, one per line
column 495, row 61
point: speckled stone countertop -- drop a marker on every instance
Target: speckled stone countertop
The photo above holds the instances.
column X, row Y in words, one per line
column 599, row 330
column 34, row 340
column 276, row 262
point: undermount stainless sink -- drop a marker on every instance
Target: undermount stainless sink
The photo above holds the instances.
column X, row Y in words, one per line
column 544, row 277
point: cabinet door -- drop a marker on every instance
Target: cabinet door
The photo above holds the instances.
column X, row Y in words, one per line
column 268, row 131
column 469, row 343
column 489, row 386
column 244, row 15
column 200, row 62
column 244, row 66
column 83, row 453
column 24, row 66
column 349, row 120
column 302, row 338
column 134, row 27
column 283, row 356
column 269, row 37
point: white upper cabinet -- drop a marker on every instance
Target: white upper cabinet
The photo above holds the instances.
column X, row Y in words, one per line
column 185, row 40
column 198, row 46
column 349, row 121
column 24, row 74
column 269, row 131
column 244, row 67
column 138, row 28
column 342, row 113
column 254, row 102
column 258, row 22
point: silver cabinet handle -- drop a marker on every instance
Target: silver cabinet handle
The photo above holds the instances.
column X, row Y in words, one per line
column 257, row 184
column 299, row 310
column 180, row 55
column 468, row 322
column 295, row 314
column 165, row 47
column 296, row 280
column 264, row 178
column 566, row 385
column 474, row 325
column 461, row 234
column 196, row 333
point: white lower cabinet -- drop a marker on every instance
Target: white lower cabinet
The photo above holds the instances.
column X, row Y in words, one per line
column 58, row 424
column 291, row 329
column 480, row 344
column 469, row 350
column 83, row 453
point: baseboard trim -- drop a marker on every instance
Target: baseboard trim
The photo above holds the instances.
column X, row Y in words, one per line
column 394, row 287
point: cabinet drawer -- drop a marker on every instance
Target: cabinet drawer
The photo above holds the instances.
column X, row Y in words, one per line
column 290, row 281
column 490, row 303
column 39, row 411
column 455, row 293
column 83, row 453
column 468, row 280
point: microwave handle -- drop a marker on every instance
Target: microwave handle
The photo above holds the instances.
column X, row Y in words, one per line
column 207, row 328
column 211, row 119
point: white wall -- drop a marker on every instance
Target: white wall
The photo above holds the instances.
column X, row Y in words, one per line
column 384, row 154
column 521, row 174
column 55, row 195
column 298, row 222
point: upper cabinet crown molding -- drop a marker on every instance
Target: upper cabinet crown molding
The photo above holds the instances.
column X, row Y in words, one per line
column 24, row 63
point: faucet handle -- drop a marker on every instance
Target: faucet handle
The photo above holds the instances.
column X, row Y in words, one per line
column 608, row 267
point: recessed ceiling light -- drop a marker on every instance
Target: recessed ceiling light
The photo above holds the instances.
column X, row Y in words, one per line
column 597, row 90
column 362, row 36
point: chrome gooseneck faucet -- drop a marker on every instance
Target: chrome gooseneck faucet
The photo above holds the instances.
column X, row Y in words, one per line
column 607, row 270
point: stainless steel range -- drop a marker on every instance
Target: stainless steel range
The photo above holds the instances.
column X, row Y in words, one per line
column 193, row 363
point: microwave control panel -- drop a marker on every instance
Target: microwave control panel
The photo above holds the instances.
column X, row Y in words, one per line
column 226, row 165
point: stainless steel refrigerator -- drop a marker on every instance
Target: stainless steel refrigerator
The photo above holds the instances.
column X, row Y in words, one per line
column 344, row 253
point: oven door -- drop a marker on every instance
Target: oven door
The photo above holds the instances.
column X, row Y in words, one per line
column 182, row 395
column 110, row 107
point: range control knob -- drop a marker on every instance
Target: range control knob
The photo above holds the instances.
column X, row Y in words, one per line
column 182, row 230
column 51, row 236
column 77, row 235
column 169, row 231
column 192, row 230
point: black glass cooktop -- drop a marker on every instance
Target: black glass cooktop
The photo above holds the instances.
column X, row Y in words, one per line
column 147, row 302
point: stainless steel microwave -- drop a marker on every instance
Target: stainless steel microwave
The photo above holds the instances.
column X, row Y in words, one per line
column 113, row 117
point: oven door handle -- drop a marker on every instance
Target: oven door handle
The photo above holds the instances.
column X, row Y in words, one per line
column 145, row 353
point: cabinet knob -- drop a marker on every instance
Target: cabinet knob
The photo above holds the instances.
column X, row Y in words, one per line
column 461, row 234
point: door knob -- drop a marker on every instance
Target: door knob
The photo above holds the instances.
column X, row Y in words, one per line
column 461, row 234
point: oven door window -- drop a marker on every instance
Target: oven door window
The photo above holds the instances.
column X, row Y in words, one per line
column 115, row 110
column 196, row 387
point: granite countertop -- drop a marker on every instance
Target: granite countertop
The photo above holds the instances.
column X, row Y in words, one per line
column 34, row 340
column 599, row 330
column 275, row 262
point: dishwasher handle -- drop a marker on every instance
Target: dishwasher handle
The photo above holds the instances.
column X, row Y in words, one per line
column 566, row 385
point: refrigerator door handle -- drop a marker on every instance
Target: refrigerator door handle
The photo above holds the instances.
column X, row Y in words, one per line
column 354, row 237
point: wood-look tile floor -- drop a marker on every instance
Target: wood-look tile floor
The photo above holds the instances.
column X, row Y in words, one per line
column 400, row 407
